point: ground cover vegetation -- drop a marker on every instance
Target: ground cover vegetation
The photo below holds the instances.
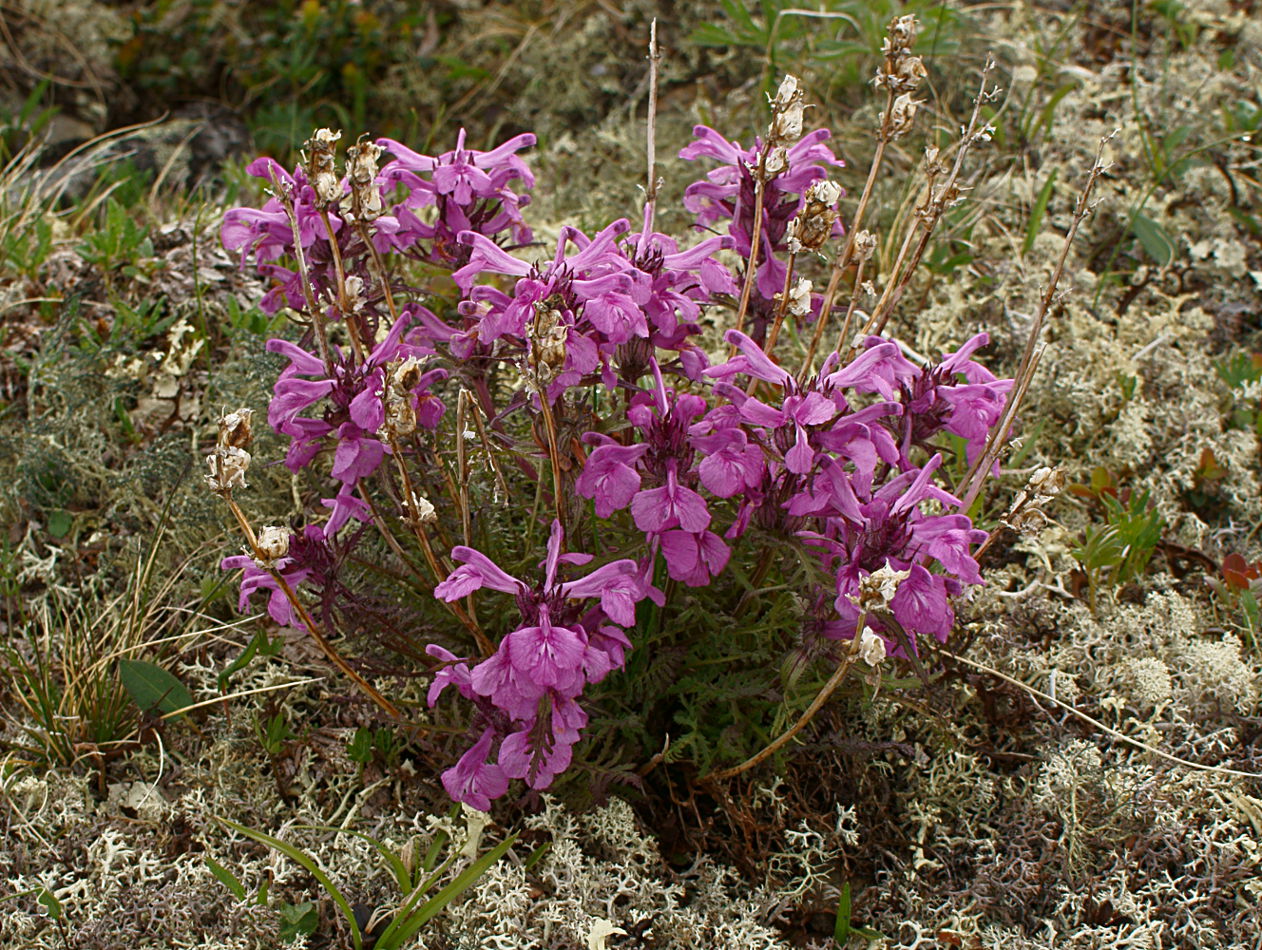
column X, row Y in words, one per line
column 794, row 482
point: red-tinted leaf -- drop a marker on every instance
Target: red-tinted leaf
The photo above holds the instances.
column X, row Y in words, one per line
column 1237, row 572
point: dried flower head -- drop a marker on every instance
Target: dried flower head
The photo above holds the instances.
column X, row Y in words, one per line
column 871, row 648
column 364, row 201
column 901, row 33
column 228, row 466
column 547, row 337
column 230, row 460
column 235, row 429
column 776, row 163
column 272, row 544
column 786, row 114
column 877, row 590
column 864, row 245
column 422, row 510
column 901, row 116
column 402, row 377
column 813, row 225
column 321, row 165
column 800, row 298
column 900, row 72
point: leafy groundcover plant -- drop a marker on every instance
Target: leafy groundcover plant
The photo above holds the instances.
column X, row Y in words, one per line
column 541, row 462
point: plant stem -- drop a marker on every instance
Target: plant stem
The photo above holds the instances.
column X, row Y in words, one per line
column 816, row 704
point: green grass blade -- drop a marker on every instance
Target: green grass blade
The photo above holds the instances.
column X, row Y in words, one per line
column 307, row 862
column 409, row 924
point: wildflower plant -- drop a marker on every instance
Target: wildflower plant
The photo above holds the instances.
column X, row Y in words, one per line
column 479, row 404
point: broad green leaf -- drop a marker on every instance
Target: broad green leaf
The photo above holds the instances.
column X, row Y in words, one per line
column 1153, row 237
column 153, row 688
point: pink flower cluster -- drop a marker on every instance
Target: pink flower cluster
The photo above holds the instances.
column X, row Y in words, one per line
column 692, row 463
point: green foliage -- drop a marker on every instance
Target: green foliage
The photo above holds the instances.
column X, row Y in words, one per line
column 153, row 688
column 75, row 676
column 273, row 733
column 844, row 927
column 1118, row 551
column 120, row 241
column 413, row 910
column 837, row 43
column 1242, row 372
column 297, row 921
column 290, row 66
column 260, row 645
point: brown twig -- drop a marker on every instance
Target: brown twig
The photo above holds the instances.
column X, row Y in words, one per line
column 996, row 440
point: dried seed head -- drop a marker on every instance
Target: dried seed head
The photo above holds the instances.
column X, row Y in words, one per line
column 230, row 460
column 864, row 245
column 901, row 33
column 813, row 225
column 900, row 72
column 228, row 466
column 422, row 510
column 776, row 162
column 878, row 588
column 907, row 75
column 1027, row 521
column 786, row 114
column 788, row 94
column 273, row 544
column 548, row 336
column 364, row 201
column 823, row 192
column 235, row 430
column 902, row 115
column 321, row 167
column 871, row 648
column 800, row 298
column 1047, row 482
column 934, row 166
column 402, row 376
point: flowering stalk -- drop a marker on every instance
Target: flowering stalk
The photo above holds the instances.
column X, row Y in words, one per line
column 662, row 463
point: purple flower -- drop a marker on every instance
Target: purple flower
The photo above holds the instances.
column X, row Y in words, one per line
column 541, row 667
column 694, row 557
column 473, row 780
column 728, row 192
column 609, row 476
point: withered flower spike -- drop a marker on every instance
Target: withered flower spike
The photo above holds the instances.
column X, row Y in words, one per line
column 321, row 167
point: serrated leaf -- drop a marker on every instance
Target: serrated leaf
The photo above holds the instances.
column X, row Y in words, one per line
column 153, row 688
